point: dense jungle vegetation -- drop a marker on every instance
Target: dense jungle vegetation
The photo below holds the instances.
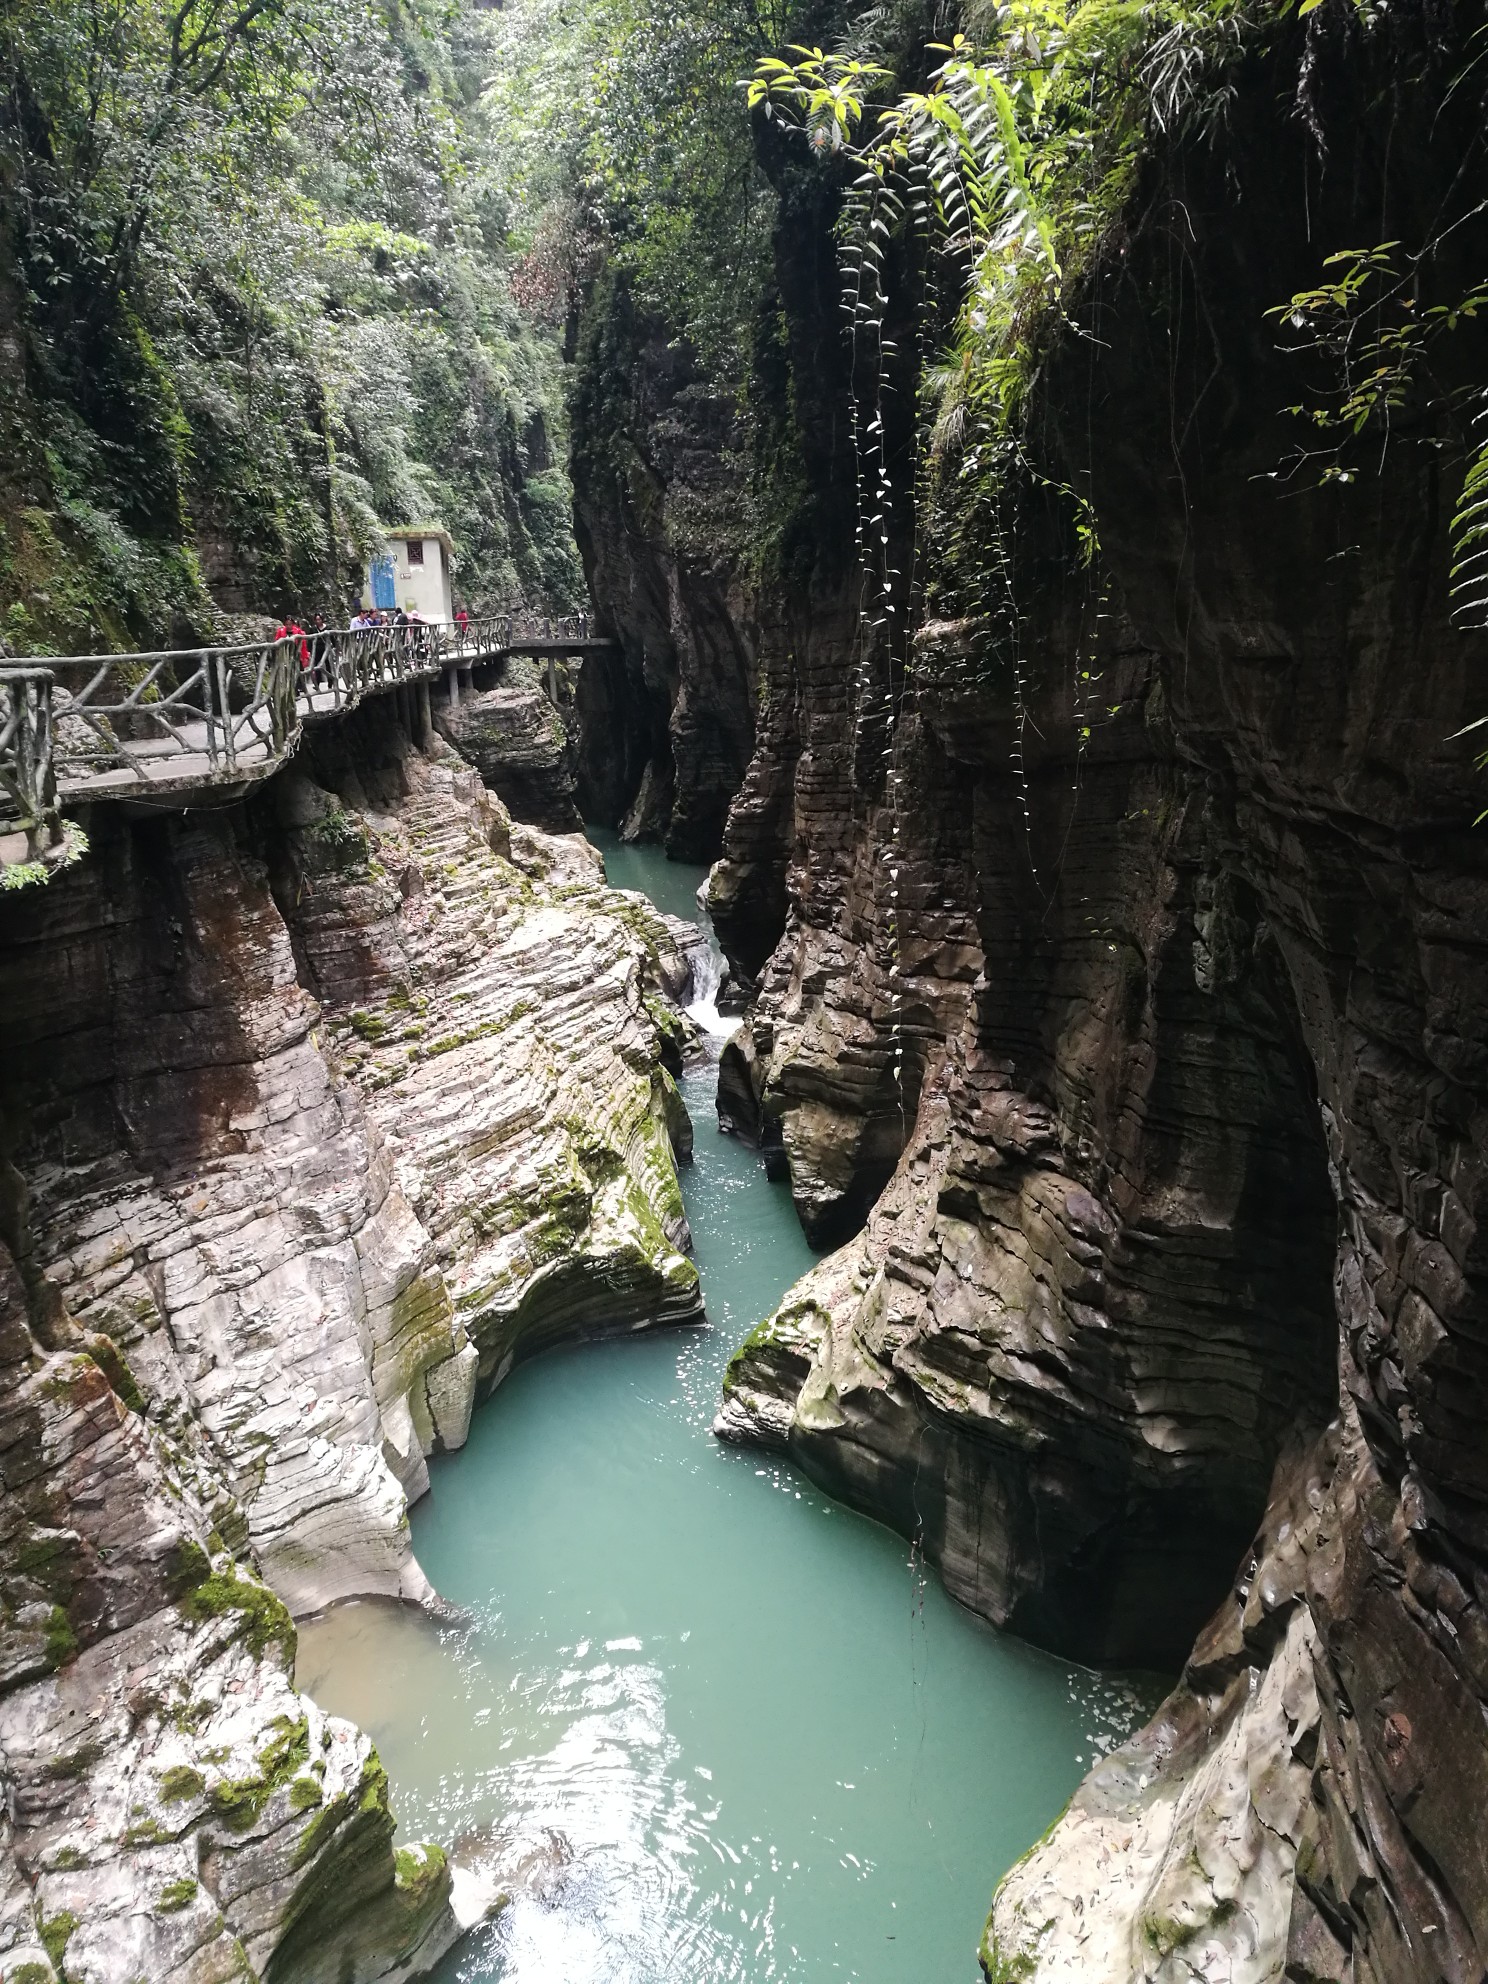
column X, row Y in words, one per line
column 276, row 272
column 255, row 294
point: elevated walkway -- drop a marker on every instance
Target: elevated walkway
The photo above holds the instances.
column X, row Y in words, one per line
column 199, row 726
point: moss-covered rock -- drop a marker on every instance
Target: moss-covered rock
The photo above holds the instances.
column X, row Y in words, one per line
column 260, row 1619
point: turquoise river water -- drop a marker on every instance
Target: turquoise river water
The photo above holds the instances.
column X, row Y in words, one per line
column 729, row 1727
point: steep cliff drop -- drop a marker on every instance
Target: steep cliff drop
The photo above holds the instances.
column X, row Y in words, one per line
column 1128, row 1015
column 319, row 1113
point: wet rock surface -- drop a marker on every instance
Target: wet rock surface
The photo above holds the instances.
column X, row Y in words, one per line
column 1146, row 966
column 317, row 1117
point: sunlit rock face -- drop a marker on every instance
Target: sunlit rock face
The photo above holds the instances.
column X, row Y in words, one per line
column 1148, row 972
column 317, row 1117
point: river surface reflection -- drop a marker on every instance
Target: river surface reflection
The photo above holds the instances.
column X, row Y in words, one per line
column 704, row 1723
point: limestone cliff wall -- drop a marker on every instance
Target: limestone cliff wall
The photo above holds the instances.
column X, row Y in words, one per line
column 1135, row 1016
column 317, row 1115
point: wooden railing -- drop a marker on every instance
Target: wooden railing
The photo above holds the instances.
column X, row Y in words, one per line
column 26, row 779
column 129, row 725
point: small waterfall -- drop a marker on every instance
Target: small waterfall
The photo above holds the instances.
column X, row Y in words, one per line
column 709, row 969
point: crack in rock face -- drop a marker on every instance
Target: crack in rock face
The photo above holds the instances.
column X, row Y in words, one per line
column 319, row 1116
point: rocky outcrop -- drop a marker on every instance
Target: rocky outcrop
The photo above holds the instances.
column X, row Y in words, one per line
column 1152, row 971
column 317, row 1117
column 173, row 1809
column 518, row 742
column 549, row 1195
column 1095, row 1295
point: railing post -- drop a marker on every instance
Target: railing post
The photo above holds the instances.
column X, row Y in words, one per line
column 26, row 751
column 42, row 740
column 215, row 703
column 229, row 723
column 283, row 709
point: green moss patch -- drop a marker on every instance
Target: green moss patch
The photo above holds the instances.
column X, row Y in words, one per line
column 179, row 1782
column 237, row 1802
column 305, row 1794
column 264, row 1621
column 56, row 1930
column 61, row 1642
column 76, row 1763
column 107, row 1355
column 187, row 1567
column 419, row 1872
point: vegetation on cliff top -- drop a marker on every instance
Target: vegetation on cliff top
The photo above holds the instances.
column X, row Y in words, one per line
column 254, row 300
column 987, row 206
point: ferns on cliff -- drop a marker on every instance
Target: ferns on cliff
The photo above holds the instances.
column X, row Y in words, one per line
column 993, row 191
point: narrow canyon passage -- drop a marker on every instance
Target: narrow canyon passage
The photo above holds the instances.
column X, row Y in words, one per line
column 771, row 1746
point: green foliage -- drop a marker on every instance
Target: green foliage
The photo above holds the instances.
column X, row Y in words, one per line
column 260, row 269
column 76, row 1763
column 419, row 1871
column 177, row 1895
column 1470, row 537
column 263, row 1621
column 111, row 1361
column 181, row 1782
column 56, row 1933
column 61, row 1644
column 1378, row 323
column 186, row 1568
column 623, row 146
column 1016, row 162
column 36, row 874
column 238, row 1802
column 992, row 191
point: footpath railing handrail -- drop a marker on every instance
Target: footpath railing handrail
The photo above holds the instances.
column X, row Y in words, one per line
column 109, row 726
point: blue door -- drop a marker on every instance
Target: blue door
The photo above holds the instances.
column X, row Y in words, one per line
column 384, row 597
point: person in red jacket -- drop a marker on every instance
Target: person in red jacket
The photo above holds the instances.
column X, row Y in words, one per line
column 286, row 631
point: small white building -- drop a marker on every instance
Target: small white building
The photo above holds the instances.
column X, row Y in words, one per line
column 414, row 571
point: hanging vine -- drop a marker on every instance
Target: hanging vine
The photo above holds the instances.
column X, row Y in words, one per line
column 1000, row 182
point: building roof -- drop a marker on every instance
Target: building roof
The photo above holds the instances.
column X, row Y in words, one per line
column 423, row 530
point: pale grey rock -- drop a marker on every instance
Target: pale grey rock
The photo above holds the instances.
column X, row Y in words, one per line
column 336, row 1150
column 450, row 1389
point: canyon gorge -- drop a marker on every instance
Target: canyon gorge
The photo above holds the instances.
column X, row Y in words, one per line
column 1087, row 809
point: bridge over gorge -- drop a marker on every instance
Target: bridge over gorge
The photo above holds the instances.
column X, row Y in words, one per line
column 170, row 728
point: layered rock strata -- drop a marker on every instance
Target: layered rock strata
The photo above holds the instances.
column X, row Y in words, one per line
column 173, row 1809
column 1152, row 969
column 519, row 743
column 317, row 1117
